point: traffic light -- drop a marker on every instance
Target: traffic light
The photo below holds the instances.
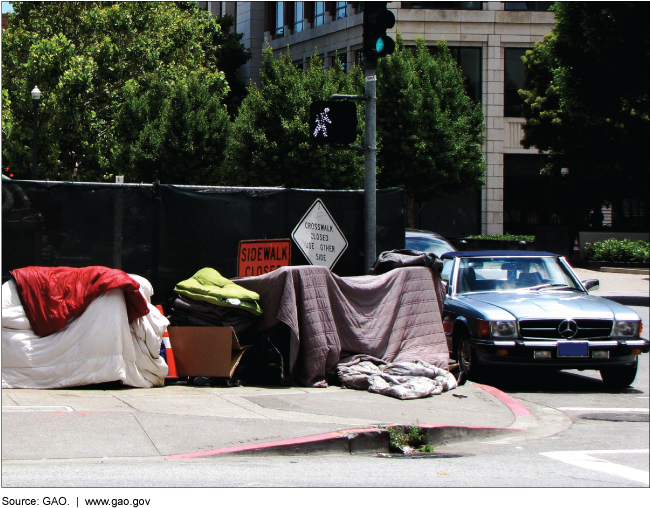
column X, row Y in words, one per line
column 376, row 20
column 332, row 122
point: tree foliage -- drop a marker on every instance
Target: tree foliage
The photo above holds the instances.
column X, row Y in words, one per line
column 269, row 144
column 429, row 130
column 95, row 61
column 587, row 101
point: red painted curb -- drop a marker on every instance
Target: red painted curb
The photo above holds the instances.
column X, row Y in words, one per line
column 517, row 408
column 310, row 439
column 269, row 444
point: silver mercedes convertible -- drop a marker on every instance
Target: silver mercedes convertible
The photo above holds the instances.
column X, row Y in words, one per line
column 524, row 308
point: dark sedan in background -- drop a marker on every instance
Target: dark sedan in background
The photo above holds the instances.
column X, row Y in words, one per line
column 427, row 241
column 529, row 309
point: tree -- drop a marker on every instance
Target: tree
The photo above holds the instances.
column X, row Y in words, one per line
column 587, row 100
column 429, row 131
column 89, row 59
column 269, row 144
column 175, row 132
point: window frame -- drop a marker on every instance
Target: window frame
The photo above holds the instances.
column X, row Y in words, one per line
column 299, row 17
column 319, row 16
column 278, row 31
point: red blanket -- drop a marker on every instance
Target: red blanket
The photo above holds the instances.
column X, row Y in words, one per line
column 51, row 296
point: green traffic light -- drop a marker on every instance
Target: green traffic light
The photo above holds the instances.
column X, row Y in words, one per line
column 379, row 47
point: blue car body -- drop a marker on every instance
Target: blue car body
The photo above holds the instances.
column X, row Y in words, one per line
column 526, row 308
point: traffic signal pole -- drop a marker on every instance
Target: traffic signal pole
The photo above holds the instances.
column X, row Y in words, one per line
column 326, row 126
column 370, row 171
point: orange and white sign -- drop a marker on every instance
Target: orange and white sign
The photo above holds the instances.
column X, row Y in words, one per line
column 257, row 257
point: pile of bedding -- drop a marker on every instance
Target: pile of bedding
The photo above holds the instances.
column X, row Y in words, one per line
column 209, row 299
column 64, row 327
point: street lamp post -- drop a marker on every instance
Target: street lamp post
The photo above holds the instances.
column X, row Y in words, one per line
column 36, row 96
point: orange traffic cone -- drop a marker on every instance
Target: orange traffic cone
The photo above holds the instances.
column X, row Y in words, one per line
column 169, row 354
column 576, row 251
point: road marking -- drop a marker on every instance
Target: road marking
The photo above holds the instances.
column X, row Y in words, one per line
column 26, row 409
column 607, row 409
column 583, row 459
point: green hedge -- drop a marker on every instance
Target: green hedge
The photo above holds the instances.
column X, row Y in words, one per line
column 622, row 251
column 508, row 238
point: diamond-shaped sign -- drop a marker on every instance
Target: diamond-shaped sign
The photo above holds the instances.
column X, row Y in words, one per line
column 318, row 237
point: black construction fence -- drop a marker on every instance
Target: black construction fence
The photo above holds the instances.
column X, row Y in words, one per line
column 167, row 233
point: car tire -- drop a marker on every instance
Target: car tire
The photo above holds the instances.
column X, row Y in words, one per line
column 469, row 368
column 619, row 377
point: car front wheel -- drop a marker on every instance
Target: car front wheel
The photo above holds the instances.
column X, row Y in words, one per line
column 619, row 377
column 468, row 364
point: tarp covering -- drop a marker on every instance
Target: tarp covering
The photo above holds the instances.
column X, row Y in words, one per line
column 98, row 346
column 394, row 317
column 52, row 296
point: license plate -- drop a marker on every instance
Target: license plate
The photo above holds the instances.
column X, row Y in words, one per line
column 573, row 349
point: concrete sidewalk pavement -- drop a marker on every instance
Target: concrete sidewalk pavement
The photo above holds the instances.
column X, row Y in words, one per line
column 184, row 422
column 625, row 288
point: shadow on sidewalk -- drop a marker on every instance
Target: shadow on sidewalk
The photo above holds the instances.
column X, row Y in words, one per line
column 518, row 381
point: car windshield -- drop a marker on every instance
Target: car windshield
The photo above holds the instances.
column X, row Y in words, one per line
column 434, row 245
column 513, row 274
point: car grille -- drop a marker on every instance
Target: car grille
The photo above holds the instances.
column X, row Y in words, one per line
column 548, row 328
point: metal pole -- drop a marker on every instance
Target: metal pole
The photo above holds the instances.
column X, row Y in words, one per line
column 370, row 173
column 34, row 143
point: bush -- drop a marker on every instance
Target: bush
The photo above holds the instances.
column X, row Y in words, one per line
column 622, row 251
column 508, row 238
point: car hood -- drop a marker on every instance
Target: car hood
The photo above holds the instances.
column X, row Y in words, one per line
column 553, row 304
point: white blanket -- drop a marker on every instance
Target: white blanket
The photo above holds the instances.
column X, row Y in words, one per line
column 98, row 346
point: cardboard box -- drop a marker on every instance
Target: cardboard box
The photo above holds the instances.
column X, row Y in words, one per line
column 207, row 351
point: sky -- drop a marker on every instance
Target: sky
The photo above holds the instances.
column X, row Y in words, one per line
column 6, row 7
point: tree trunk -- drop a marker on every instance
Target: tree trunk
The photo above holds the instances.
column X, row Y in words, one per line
column 410, row 211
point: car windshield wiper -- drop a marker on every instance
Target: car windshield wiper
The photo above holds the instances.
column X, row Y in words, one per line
column 544, row 286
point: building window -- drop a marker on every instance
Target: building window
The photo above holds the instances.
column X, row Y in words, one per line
column 299, row 16
column 448, row 6
column 358, row 57
column 279, row 20
column 343, row 58
column 528, row 6
column 319, row 14
column 341, row 10
column 470, row 62
column 299, row 65
column 515, row 79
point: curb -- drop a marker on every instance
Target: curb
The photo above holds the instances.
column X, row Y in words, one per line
column 370, row 440
column 633, row 271
column 635, row 301
column 375, row 439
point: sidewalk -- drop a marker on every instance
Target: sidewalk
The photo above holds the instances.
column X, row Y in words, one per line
column 625, row 288
column 184, row 422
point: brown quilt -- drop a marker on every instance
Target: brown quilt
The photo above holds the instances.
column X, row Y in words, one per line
column 394, row 317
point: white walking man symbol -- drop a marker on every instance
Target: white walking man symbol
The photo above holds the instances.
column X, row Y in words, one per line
column 321, row 120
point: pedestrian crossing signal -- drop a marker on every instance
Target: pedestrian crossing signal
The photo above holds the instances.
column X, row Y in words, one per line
column 332, row 122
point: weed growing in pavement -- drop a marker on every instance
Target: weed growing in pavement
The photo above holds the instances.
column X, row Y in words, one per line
column 409, row 440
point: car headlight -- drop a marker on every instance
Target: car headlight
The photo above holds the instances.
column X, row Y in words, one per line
column 503, row 329
column 497, row 329
column 627, row 328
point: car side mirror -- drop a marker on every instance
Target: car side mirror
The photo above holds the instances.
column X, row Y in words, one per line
column 445, row 286
column 591, row 284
